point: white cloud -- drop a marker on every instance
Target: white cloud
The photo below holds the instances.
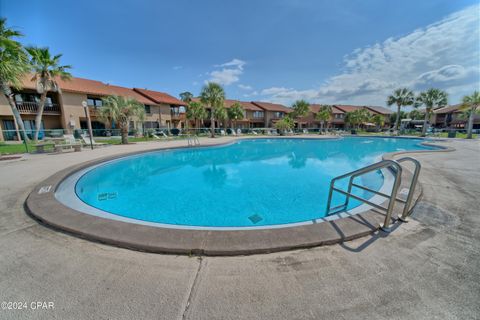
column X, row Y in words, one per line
column 237, row 63
column 177, row 67
column 444, row 55
column 245, row 87
column 288, row 95
column 230, row 72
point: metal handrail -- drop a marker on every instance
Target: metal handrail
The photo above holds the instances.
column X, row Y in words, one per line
column 353, row 174
column 397, row 171
column 193, row 141
column 411, row 189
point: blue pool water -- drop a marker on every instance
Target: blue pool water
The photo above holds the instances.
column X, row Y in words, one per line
column 248, row 183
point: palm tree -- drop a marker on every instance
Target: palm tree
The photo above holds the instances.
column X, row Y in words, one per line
column 300, row 109
column 220, row 114
column 471, row 103
column 357, row 117
column 379, row 121
column 196, row 111
column 431, row 99
column 121, row 111
column 212, row 96
column 13, row 67
column 352, row 119
column 401, row 97
column 186, row 96
column 235, row 112
column 323, row 115
column 415, row 114
column 47, row 69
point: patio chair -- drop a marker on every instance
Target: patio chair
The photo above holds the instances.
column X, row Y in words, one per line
column 86, row 141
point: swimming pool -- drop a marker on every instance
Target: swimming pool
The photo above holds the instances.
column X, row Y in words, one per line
column 249, row 183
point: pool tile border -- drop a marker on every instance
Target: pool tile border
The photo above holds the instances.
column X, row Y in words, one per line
column 42, row 205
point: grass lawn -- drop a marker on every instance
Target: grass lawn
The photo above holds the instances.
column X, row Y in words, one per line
column 15, row 148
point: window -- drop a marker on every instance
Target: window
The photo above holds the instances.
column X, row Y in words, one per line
column 279, row 114
column 258, row 114
column 151, row 125
column 338, row 115
column 94, row 102
column 147, row 108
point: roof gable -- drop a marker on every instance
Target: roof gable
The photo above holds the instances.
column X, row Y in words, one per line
column 160, row 97
column 268, row 106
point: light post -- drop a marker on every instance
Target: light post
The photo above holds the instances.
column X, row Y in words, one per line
column 89, row 123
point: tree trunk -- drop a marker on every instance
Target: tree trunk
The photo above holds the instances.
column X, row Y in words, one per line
column 470, row 122
column 212, row 124
column 397, row 120
column 424, row 129
column 38, row 117
column 124, row 133
column 321, row 127
column 9, row 95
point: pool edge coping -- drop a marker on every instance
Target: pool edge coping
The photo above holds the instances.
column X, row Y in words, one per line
column 46, row 209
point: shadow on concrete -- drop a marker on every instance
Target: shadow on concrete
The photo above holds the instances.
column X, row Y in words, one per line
column 376, row 233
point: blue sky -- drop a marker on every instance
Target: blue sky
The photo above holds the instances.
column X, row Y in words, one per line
column 324, row 51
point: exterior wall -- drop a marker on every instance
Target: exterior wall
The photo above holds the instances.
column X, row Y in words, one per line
column 251, row 120
column 72, row 110
column 49, row 121
column 270, row 118
column 160, row 114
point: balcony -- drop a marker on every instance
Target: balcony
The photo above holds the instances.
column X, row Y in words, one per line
column 32, row 107
column 178, row 116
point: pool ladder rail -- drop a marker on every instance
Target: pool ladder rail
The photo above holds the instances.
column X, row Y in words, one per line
column 396, row 169
column 193, row 141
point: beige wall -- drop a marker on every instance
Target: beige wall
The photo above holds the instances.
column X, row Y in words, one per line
column 249, row 116
column 159, row 113
column 72, row 109
column 49, row 121
column 269, row 116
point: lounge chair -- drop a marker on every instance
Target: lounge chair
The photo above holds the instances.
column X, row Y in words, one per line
column 222, row 132
column 233, row 132
column 305, row 131
column 254, row 132
column 86, row 141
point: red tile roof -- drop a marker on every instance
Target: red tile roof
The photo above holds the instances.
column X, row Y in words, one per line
column 245, row 105
column 315, row 108
column 380, row 110
column 93, row 87
column 347, row 108
column 272, row 106
column 126, row 92
column 448, row 109
column 160, row 97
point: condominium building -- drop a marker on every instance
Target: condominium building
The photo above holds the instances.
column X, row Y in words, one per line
column 63, row 109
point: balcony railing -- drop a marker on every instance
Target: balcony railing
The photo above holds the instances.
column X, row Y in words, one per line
column 32, row 107
column 177, row 116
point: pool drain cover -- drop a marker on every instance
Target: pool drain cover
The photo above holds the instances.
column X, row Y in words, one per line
column 255, row 218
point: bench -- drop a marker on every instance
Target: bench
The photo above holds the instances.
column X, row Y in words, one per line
column 77, row 147
column 40, row 147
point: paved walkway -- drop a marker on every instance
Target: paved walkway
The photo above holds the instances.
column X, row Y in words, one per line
column 426, row 269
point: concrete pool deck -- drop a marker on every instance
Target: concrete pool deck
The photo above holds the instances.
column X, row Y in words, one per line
column 427, row 268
